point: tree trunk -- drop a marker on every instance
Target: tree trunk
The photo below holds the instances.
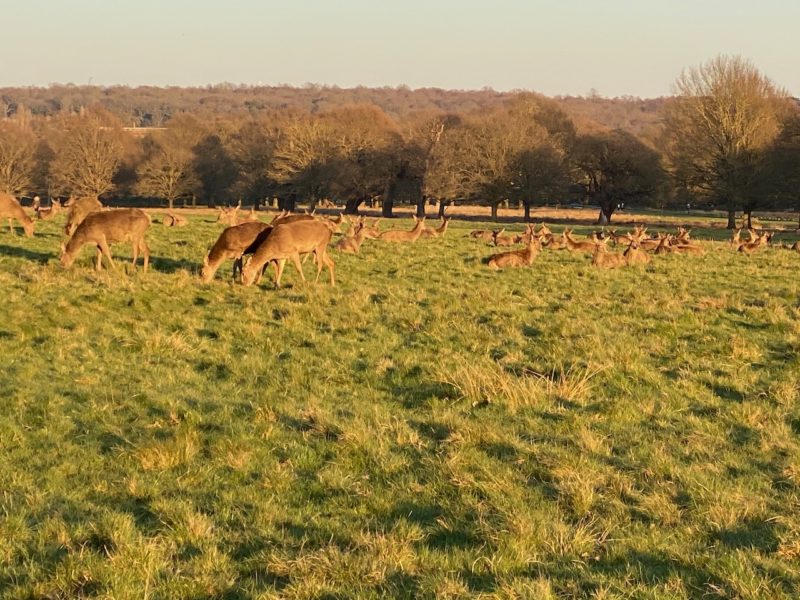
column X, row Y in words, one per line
column 351, row 206
column 527, row 206
column 170, row 202
column 442, row 206
column 749, row 219
column 731, row 219
column 494, row 211
column 312, row 205
column 421, row 207
column 386, row 208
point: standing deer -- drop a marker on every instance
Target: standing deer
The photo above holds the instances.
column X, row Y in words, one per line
column 516, row 258
column 234, row 242
column 11, row 209
column 396, row 235
column 289, row 241
column 106, row 228
column 79, row 209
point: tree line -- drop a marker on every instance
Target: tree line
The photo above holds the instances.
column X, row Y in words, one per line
column 729, row 138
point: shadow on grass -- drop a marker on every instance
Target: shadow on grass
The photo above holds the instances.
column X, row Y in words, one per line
column 17, row 252
column 752, row 534
column 170, row 265
column 655, row 569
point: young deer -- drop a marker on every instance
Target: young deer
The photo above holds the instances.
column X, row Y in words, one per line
column 439, row 231
column 234, row 242
column 11, row 209
column 351, row 244
column 635, row 256
column 45, row 214
column 413, row 235
column 79, row 209
column 289, row 241
column 601, row 257
column 109, row 227
column 173, row 220
column 516, row 258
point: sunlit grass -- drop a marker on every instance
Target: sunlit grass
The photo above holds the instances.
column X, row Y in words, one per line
column 427, row 428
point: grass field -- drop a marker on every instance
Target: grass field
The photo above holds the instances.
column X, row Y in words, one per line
column 427, row 428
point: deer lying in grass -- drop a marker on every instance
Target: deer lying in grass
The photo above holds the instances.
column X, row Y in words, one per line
column 11, row 209
column 397, row 235
column 554, row 242
column 79, row 209
column 234, row 242
column 439, row 231
column 579, row 246
column 45, row 214
column 634, row 255
column 516, row 258
column 736, row 237
column 229, row 215
column 482, row 234
column 251, row 216
column 761, row 240
column 172, row 220
column 693, row 249
column 289, row 241
column 109, row 227
column 502, row 240
column 664, row 245
column 373, row 232
column 601, row 257
column 351, row 243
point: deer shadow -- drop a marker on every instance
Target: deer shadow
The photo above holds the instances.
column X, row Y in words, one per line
column 17, row 252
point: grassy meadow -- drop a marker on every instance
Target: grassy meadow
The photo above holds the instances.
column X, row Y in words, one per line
column 426, row 429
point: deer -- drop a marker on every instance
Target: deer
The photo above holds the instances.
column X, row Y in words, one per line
column 439, row 231
column 516, row 258
column 251, row 215
column 373, row 232
column 601, row 257
column 229, row 215
column 502, row 240
column 664, row 245
column 352, row 243
column 11, row 209
column 234, row 242
column 796, row 247
column 736, row 237
column 289, row 241
column 79, row 209
column 45, row 214
column 749, row 247
column 635, row 256
column 579, row 246
column 109, row 227
column 400, row 236
column 287, row 217
column 692, row 249
column 482, row 234
column 554, row 242
column 173, row 220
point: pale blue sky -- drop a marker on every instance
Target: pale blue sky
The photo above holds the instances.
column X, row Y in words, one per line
column 555, row 47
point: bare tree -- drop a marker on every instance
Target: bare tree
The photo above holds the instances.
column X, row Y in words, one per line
column 725, row 113
column 17, row 157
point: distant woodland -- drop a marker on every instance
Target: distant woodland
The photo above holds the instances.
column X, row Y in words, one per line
column 737, row 149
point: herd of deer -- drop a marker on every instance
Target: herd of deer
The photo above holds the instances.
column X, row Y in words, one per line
column 296, row 236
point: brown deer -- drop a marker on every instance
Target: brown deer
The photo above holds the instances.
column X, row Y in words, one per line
column 635, row 256
column 580, row 246
column 289, row 241
column 45, row 214
column 439, row 231
column 554, row 242
column 750, row 247
column 736, row 237
column 373, row 232
column 79, row 209
column 229, row 215
column 502, row 240
column 11, row 209
column 172, row 220
column 516, row 258
column 601, row 257
column 482, row 234
column 287, row 217
column 109, row 227
column 401, row 236
column 351, row 244
column 664, row 245
column 234, row 242
column 693, row 249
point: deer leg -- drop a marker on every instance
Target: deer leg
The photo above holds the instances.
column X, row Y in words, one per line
column 279, row 265
column 103, row 245
column 329, row 263
column 319, row 259
column 99, row 260
column 145, row 253
column 298, row 265
column 135, row 247
column 11, row 227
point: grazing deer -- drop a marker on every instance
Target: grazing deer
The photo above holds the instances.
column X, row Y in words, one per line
column 439, row 231
column 11, row 209
column 351, row 243
column 45, row 214
column 516, row 258
column 287, row 217
column 79, row 209
column 580, row 246
column 234, row 242
column 289, row 241
column 635, row 256
column 601, row 257
column 106, row 228
column 173, row 220
column 396, row 235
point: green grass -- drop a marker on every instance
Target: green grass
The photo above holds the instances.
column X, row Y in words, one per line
column 427, row 428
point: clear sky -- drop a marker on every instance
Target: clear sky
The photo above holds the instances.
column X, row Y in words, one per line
column 617, row 47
